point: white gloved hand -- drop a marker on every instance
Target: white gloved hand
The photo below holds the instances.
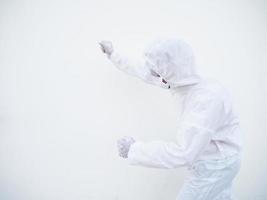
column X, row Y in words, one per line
column 106, row 47
column 124, row 145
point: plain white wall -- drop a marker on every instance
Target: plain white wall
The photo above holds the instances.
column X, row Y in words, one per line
column 63, row 105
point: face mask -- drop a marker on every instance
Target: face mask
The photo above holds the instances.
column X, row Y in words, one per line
column 161, row 82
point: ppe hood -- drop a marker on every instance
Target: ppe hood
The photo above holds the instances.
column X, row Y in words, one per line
column 173, row 60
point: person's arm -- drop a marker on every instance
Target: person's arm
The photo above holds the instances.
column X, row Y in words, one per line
column 131, row 67
column 137, row 68
column 200, row 121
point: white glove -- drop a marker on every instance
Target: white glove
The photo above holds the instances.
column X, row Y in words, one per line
column 124, row 145
column 106, row 47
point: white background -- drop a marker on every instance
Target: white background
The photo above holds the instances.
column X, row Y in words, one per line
column 63, row 105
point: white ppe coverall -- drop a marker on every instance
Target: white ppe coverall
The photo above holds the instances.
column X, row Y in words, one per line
column 208, row 140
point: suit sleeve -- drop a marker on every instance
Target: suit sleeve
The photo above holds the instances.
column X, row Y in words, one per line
column 200, row 119
column 134, row 68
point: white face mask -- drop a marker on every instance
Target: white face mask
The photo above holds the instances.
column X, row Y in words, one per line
column 161, row 82
column 158, row 79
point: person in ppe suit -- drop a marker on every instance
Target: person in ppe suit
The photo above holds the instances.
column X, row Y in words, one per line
column 208, row 139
